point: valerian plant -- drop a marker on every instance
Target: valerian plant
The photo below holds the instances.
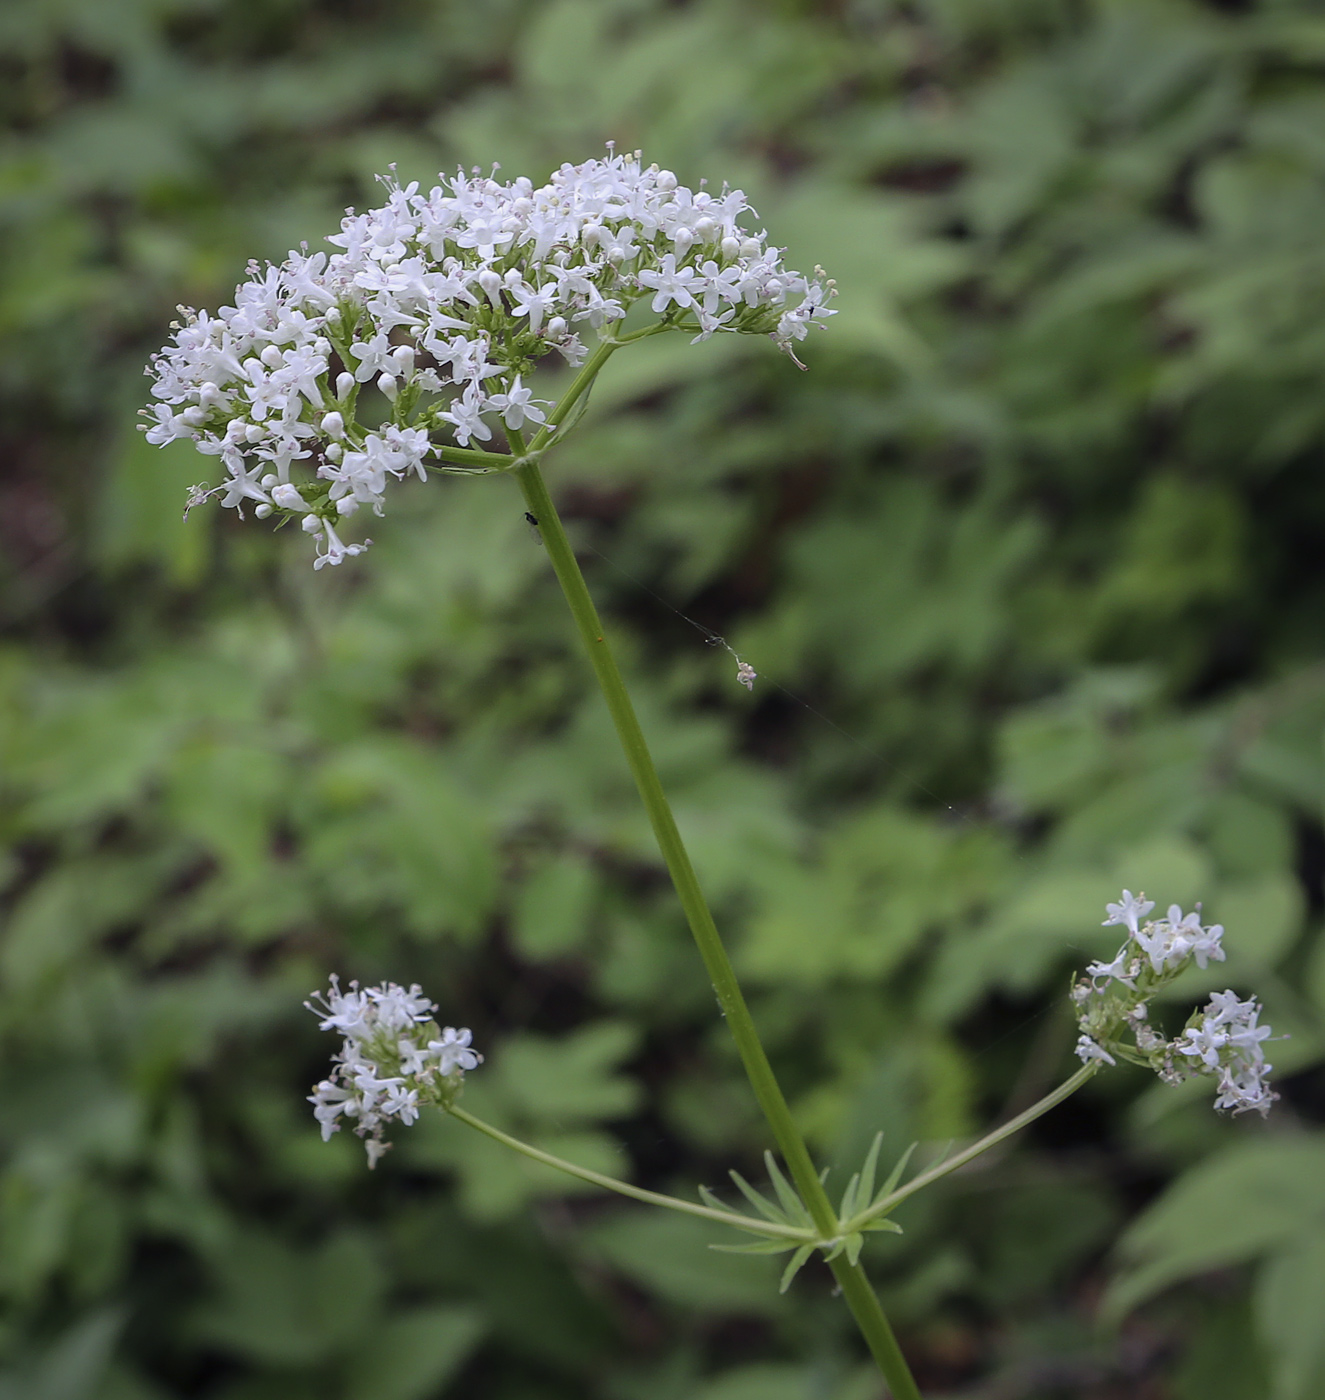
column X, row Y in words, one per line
column 423, row 335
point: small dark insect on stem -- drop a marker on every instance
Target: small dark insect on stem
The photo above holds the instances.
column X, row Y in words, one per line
column 533, row 526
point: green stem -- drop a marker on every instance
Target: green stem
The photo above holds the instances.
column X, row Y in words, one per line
column 579, row 385
column 721, row 973
column 1014, row 1125
column 875, row 1328
column 472, row 457
column 768, row 1228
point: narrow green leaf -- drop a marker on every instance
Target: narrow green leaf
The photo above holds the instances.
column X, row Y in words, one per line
column 791, row 1202
column 895, row 1175
column 855, row 1242
column 761, row 1203
column 762, row 1247
column 883, row 1223
column 848, row 1207
column 710, row 1199
column 794, row 1266
column 867, row 1171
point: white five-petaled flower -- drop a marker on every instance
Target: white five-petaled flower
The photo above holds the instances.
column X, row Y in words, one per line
column 1128, row 910
column 439, row 306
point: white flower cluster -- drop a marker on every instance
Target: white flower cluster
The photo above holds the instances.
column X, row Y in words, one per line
column 444, row 303
column 394, row 1060
column 1223, row 1039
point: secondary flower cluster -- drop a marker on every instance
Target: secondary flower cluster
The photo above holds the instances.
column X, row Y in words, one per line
column 1222, row 1039
column 394, row 1060
column 444, row 303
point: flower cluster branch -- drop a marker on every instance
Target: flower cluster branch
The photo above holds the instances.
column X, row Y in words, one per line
column 1222, row 1039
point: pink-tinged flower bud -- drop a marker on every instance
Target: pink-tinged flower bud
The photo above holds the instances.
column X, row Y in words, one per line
column 344, row 384
column 387, row 384
column 333, row 425
column 288, row 497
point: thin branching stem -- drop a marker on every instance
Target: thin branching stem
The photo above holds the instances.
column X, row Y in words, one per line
column 968, row 1154
column 770, row 1229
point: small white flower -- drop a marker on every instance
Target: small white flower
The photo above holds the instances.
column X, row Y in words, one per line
column 1088, row 1050
column 1128, row 910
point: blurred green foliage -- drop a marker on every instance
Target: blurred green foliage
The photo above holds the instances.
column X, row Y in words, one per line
column 1028, row 563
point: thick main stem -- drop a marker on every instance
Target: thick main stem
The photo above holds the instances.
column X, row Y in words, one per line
column 855, row 1286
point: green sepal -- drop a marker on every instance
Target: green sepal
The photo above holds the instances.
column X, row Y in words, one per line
column 883, row 1223
column 794, row 1266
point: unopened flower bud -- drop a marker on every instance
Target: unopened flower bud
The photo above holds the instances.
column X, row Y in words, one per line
column 333, row 316
column 272, row 358
column 347, row 505
column 255, row 432
column 193, row 417
column 333, row 452
column 344, row 384
column 750, row 248
column 270, row 480
column 403, row 355
column 513, row 278
column 731, row 247
column 333, row 425
column 556, row 328
column 705, row 228
column 288, row 497
column 262, row 510
column 387, row 384
column 491, row 284
column 312, row 525
column 666, row 180
column 681, row 241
